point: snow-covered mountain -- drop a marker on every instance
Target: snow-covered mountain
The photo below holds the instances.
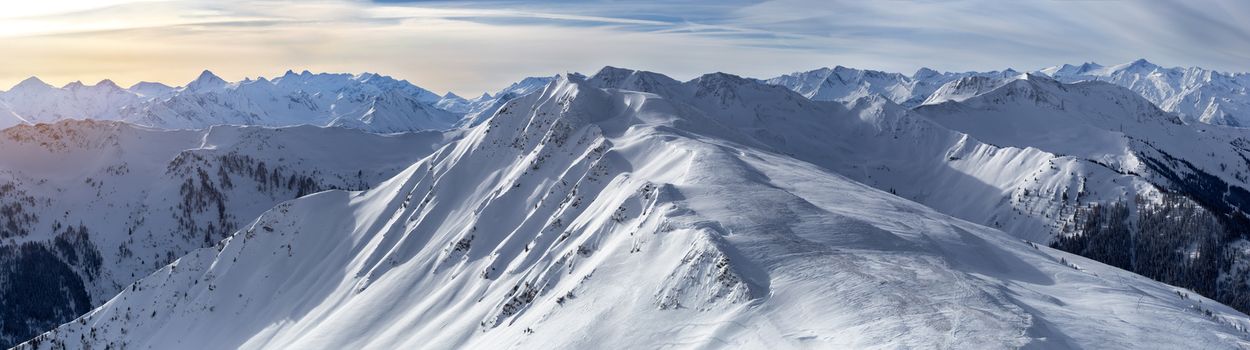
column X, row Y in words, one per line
column 1173, row 209
column 1196, row 94
column 88, row 207
column 33, row 101
column 848, row 84
column 630, row 209
column 1090, row 167
column 476, row 110
column 368, row 102
column 1044, row 161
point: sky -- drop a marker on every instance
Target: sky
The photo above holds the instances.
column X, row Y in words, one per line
column 474, row 46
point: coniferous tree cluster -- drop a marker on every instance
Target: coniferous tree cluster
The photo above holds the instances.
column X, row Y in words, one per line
column 1175, row 241
column 42, row 283
column 204, row 189
column 15, row 217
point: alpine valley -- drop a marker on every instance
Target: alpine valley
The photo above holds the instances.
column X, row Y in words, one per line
column 1070, row 207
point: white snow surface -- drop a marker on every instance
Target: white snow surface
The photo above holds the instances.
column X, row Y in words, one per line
column 629, row 210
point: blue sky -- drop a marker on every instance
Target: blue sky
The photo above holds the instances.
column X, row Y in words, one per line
column 474, row 46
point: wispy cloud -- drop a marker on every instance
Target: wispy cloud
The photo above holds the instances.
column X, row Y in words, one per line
column 471, row 46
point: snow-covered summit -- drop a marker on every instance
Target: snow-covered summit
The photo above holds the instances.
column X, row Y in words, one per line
column 207, row 81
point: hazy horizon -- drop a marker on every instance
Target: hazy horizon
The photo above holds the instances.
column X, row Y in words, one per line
column 478, row 46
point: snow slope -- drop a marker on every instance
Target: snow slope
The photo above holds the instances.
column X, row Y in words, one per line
column 590, row 215
column 879, row 143
column 96, row 205
column 1185, row 186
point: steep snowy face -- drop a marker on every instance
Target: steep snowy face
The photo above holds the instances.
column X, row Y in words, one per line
column 1091, row 119
column 1041, row 160
column 879, row 143
column 33, row 101
column 367, row 101
column 966, row 87
column 1196, row 94
column 1181, row 221
column 91, row 206
column 583, row 216
column 847, row 84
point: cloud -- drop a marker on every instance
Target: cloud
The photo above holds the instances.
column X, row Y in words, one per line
column 473, row 46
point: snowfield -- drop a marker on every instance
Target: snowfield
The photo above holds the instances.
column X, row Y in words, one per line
column 629, row 210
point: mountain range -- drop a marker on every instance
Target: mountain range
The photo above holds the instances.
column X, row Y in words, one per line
column 1195, row 94
column 1063, row 208
column 368, row 101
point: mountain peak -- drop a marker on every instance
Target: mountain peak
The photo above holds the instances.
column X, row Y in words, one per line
column 107, row 83
column 1139, row 64
column 722, row 78
column 30, row 83
column 77, row 84
column 629, row 79
column 149, row 85
column 1088, row 66
column 206, row 80
column 924, row 73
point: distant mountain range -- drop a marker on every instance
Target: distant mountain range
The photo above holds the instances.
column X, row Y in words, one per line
column 382, row 104
column 1196, row 94
column 368, row 102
